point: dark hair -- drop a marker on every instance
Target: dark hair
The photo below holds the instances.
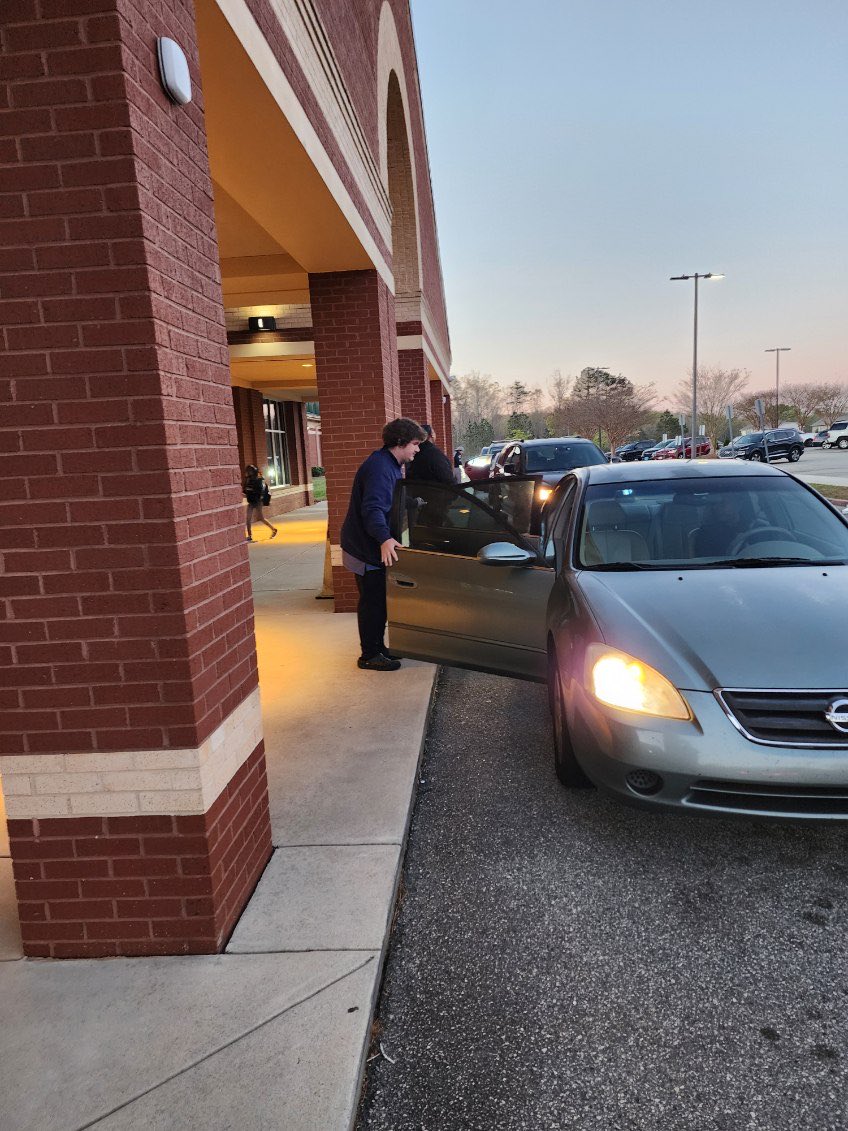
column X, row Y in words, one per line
column 251, row 472
column 428, row 428
column 402, row 431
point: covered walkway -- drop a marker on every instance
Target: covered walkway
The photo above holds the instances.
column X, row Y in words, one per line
column 273, row 1032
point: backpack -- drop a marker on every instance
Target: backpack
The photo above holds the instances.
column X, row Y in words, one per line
column 266, row 494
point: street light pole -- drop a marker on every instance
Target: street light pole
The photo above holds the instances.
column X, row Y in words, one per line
column 696, row 277
column 777, row 351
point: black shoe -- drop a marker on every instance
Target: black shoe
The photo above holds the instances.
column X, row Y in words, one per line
column 378, row 663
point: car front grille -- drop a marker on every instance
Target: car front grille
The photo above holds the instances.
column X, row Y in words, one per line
column 759, row 797
column 785, row 718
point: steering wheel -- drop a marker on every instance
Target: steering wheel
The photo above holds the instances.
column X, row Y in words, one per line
column 760, row 534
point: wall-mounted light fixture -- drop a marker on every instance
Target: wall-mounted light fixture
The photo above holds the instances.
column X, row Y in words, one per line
column 262, row 322
column 173, row 71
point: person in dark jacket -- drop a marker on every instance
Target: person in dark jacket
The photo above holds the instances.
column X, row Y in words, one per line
column 255, row 490
column 368, row 546
column 431, row 464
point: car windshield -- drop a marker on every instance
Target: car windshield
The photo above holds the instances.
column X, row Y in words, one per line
column 563, row 457
column 708, row 523
column 749, row 438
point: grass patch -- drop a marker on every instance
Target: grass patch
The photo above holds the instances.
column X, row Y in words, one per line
column 320, row 485
column 831, row 490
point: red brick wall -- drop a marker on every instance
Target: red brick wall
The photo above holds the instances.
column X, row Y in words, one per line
column 353, row 30
column 119, row 461
column 353, row 317
column 414, row 385
column 97, row 886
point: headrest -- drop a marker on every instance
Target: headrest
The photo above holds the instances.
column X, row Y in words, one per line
column 605, row 512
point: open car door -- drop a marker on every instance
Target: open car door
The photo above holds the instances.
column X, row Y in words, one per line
column 470, row 588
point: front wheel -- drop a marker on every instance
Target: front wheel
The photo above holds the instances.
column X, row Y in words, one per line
column 757, row 457
column 794, row 454
column 566, row 766
column 842, row 442
column 825, row 444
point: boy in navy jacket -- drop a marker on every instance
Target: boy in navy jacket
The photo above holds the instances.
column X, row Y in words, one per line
column 367, row 543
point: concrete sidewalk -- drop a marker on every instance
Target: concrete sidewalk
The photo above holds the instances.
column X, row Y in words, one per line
column 272, row 1034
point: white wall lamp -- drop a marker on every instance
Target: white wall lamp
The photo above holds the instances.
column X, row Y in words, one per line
column 173, row 71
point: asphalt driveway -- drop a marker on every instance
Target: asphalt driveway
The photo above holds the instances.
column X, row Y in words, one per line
column 562, row 961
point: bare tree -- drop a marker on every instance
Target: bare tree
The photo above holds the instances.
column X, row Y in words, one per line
column 474, row 397
column 556, row 421
column 833, row 400
column 805, row 400
column 616, row 408
column 717, row 388
column 744, row 407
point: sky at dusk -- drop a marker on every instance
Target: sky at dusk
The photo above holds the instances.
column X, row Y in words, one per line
column 583, row 153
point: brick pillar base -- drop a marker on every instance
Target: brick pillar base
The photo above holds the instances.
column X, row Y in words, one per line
column 90, row 887
column 356, row 365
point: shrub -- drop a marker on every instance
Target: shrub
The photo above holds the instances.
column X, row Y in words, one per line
column 317, row 472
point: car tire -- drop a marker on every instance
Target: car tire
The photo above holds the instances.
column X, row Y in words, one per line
column 757, row 457
column 808, row 443
column 842, row 442
column 566, row 766
column 825, row 445
column 795, row 454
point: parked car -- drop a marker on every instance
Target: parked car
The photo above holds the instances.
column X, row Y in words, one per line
column 620, row 601
column 547, row 460
column 837, row 435
column 651, row 453
column 634, row 450
column 807, row 437
column 480, row 466
column 675, row 450
column 781, row 443
column 819, row 439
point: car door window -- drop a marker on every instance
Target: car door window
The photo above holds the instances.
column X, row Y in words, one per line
column 461, row 520
column 555, row 526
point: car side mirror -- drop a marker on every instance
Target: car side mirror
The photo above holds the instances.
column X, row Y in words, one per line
column 505, row 554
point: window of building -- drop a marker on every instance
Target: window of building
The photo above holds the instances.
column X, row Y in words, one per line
column 277, row 471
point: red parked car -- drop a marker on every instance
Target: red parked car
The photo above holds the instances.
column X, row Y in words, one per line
column 675, row 451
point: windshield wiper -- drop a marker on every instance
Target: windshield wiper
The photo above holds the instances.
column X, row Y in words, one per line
column 619, row 567
column 752, row 563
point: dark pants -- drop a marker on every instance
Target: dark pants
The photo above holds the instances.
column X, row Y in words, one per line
column 371, row 611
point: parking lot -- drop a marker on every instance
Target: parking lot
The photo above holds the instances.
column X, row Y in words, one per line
column 819, row 466
column 560, row 960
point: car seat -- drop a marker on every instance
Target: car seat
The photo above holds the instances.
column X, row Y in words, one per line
column 607, row 538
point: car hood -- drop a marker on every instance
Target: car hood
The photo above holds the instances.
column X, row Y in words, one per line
column 755, row 628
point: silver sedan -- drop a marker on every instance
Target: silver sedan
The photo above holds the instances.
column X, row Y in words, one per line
column 689, row 619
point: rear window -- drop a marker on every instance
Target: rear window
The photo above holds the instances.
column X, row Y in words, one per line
column 563, row 457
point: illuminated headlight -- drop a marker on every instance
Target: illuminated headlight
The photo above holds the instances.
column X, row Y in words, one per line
column 622, row 681
column 544, row 493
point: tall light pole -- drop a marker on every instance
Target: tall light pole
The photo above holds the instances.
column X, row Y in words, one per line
column 777, row 351
column 696, row 277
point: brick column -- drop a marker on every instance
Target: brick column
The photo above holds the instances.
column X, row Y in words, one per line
column 130, row 736
column 353, row 321
column 448, row 444
column 437, row 392
column 414, row 384
column 250, row 427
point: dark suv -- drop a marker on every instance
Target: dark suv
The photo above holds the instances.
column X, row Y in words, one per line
column 632, row 451
column 782, row 443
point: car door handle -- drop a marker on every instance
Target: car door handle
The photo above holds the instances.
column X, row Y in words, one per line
column 404, row 582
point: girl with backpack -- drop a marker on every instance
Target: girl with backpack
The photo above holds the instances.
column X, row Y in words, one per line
column 255, row 490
